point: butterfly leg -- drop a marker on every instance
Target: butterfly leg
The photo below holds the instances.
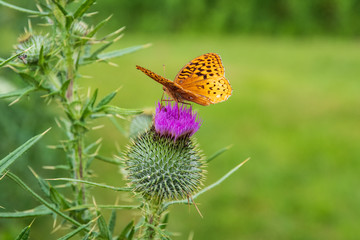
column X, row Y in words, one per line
column 161, row 101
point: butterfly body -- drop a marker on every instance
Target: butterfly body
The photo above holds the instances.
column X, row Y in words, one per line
column 201, row 81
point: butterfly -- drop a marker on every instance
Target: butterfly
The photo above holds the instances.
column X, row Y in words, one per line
column 201, row 81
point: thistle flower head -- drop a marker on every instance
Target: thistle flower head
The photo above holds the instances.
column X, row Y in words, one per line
column 159, row 168
column 176, row 121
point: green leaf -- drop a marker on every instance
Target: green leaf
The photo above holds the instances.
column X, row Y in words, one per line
column 228, row 174
column 24, row 235
column 92, row 183
column 61, row 8
column 164, row 221
column 44, row 186
column 125, row 233
column 121, row 111
column 23, row 9
column 11, row 157
column 83, row 8
column 103, row 228
column 41, row 57
column 35, row 212
column 121, row 52
column 28, row 78
column 112, row 221
column 106, row 100
column 212, row 157
column 93, row 98
column 17, row 180
column 17, row 93
column 58, row 199
column 3, row 63
column 97, row 27
column 101, row 206
column 95, row 54
column 107, row 159
column 64, row 88
column 76, row 231
column 88, row 105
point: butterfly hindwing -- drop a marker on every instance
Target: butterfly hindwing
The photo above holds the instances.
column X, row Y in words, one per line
column 215, row 89
column 205, row 76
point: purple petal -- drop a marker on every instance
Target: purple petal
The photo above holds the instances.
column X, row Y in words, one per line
column 176, row 121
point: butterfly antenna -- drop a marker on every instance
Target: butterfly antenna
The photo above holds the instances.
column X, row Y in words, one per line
column 164, row 69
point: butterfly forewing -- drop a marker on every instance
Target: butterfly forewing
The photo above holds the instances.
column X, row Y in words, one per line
column 165, row 82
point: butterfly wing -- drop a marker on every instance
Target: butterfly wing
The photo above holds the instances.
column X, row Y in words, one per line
column 205, row 77
column 174, row 90
column 163, row 81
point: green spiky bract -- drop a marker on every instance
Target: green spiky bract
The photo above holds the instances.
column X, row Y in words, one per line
column 160, row 168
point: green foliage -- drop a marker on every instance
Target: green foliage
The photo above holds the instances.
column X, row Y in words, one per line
column 11, row 157
column 274, row 17
column 24, row 235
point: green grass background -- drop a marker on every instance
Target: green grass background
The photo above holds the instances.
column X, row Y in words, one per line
column 294, row 111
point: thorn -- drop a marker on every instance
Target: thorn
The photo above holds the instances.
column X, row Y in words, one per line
column 55, row 228
column 88, row 92
column 192, row 200
column 97, row 127
column 33, row 172
column 15, row 101
column 91, row 14
column 4, row 175
column 93, row 199
column 57, row 122
column 49, row 167
column 147, row 45
column 118, row 37
column 113, row 64
column 45, row 131
column 32, row 222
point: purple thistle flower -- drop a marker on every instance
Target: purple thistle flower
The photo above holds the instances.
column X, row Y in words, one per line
column 175, row 121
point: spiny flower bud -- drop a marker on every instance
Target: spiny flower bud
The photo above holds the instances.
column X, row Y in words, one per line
column 35, row 43
column 80, row 28
column 164, row 163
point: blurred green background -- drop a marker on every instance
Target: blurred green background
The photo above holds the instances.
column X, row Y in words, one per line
column 294, row 67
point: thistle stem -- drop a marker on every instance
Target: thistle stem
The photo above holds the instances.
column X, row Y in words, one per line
column 152, row 220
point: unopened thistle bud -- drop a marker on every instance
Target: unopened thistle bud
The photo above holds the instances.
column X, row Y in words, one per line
column 79, row 28
column 164, row 163
column 33, row 43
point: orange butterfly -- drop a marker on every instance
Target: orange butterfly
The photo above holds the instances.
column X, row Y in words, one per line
column 201, row 81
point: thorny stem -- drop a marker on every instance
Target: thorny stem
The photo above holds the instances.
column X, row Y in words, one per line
column 70, row 67
column 77, row 134
column 152, row 219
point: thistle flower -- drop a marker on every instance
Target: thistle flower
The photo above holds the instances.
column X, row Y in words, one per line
column 175, row 121
column 164, row 163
